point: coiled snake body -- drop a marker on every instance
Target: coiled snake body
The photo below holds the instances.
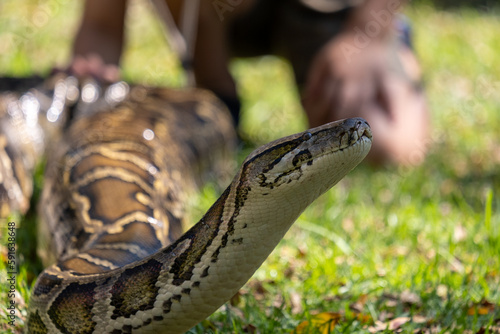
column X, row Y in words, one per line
column 112, row 204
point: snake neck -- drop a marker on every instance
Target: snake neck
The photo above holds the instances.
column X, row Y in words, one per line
column 193, row 276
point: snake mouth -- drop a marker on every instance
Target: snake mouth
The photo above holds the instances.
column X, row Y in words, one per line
column 289, row 153
column 346, row 134
column 356, row 132
column 367, row 132
column 330, row 139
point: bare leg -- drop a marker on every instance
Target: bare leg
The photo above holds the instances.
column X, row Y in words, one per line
column 99, row 42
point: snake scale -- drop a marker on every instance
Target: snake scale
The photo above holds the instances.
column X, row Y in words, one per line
column 112, row 208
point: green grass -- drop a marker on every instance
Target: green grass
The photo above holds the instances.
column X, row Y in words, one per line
column 419, row 245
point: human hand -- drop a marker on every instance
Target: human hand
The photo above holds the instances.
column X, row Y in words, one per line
column 376, row 83
column 93, row 66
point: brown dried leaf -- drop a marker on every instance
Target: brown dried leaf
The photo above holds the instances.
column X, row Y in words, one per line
column 289, row 272
column 235, row 300
column 323, row 323
column 384, row 316
column 377, row 327
column 301, row 252
column 278, row 301
column 397, row 322
column 492, row 274
column 257, row 289
column 392, row 325
column 391, row 303
column 410, row 298
column 359, row 304
column 364, row 318
column 362, row 299
column 483, row 308
column 250, row 329
column 419, row 319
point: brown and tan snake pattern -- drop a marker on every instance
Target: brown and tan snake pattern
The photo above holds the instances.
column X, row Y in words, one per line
column 113, row 204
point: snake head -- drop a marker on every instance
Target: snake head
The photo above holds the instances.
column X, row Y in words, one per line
column 312, row 161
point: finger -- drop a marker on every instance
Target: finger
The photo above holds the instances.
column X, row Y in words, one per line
column 78, row 66
column 111, row 73
column 95, row 65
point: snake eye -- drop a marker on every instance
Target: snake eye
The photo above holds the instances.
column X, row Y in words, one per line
column 306, row 136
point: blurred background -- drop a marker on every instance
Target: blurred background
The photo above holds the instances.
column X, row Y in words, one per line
column 430, row 232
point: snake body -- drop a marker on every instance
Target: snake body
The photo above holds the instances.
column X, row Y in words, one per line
column 113, row 208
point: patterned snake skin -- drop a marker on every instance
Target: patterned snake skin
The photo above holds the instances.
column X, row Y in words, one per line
column 112, row 211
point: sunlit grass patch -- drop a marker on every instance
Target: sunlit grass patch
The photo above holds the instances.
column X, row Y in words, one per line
column 393, row 249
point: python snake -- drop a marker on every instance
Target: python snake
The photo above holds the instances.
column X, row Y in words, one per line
column 112, row 207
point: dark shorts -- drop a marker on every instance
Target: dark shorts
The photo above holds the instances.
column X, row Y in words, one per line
column 287, row 28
